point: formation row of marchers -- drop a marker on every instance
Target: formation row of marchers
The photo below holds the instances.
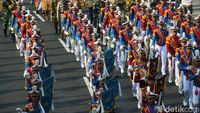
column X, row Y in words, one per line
column 38, row 75
column 157, row 43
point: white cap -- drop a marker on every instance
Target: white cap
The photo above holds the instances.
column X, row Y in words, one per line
column 23, row 8
column 89, row 23
column 85, row 17
column 80, row 11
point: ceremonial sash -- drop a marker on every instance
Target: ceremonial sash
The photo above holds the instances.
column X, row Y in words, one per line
column 179, row 19
column 140, row 15
column 174, row 44
column 161, row 10
column 116, row 27
column 126, row 36
column 185, row 57
column 187, row 27
column 197, row 33
column 18, row 16
column 151, row 24
column 135, row 53
column 170, row 13
column 115, row 24
column 153, row 27
column 160, row 34
column 135, row 9
column 187, row 60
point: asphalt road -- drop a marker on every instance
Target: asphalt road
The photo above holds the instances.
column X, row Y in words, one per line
column 71, row 93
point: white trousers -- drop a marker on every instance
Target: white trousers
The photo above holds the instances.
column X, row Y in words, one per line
column 195, row 99
column 162, row 52
column 171, row 65
column 187, row 89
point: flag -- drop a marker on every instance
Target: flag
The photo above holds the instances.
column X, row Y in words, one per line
column 47, row 102
column 113, row 85
column 107, row 99
column 109, row 61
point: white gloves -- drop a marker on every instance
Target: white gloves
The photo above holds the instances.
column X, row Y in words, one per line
column 198, row 72
column 189, row 68
column 168, row 55
column 100, row 79
column 66, row 33
column 121, row 47
column 84, row 52
column 104, row 32
column 152, row 47
column 194, row 44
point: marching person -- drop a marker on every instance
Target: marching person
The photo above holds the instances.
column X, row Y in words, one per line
column 179, row 18
column 184, row 57
column 159, row 43
column 161, row 7
column 172, row 43
column 168, row 16
column 16, row 18
column 8, row 6
column 195, row 32
column 186, row 26
column 195, row 77
column 134, row 10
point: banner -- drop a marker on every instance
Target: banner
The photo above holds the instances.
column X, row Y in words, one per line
column 36, row 111
column 45, row 72
column 46, row 102
column 48, row 85
column 112, row 85
column 108, row 100
column 109, row 60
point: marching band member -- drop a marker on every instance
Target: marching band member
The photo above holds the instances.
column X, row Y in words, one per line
column 184, row 57
column 186, row 26
column 172, row 43
column 161, row 7
column 134, row 10
column 103, row 11
column 179, row 18
column 168, row 16
column 158, row 42
column 16, row 17
column 195, row 32
column 195, row 76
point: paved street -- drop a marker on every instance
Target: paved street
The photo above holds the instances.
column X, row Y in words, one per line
column 71, row 93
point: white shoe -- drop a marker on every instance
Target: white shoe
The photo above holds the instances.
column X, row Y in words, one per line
column 137, row 96
column 185, row 102
column 17, row 46
column 176, row 83
column 180, row 91
column 68, row 50
column 77, row 59
column 190, row 106
column 72, row 51
column 134, row 94
column 139, row 105
column 170, row 80
column 82, row 65
column 122, row 70
column 21, row 54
